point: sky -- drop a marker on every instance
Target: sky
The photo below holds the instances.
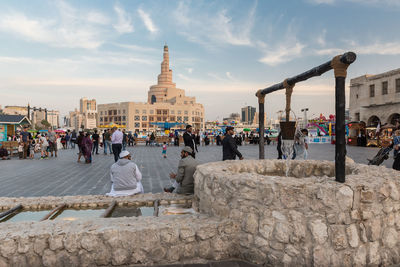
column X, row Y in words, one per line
column 52, row 53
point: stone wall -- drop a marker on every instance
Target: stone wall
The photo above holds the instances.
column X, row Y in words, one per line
column 114, row 241
column 306, row 219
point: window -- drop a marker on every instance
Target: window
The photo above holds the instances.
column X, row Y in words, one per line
column 137, row 111
column 144, row 125
column 357, row 96
column 184, row 102
column 119, row 111
column 159, row 119
column 179, row 118
column 384, row 88
column 372, row 90
column 191, row 102
column 179, row 112
column 151, row 118
column 151, row 111
column 115, row 112
column 101, row 119
column 172, row 112
column 397, row 85
column 172, row 118
column 101, row 112
column 137, row 118
column 159, row 112
column 186, row 112
column 144, row 118
column 137, row 124
column 123, row 118
column 165, row 112
column 110, row 112
column 105, row 119
column 186, row 118
column 123, row 111
column 143, row 111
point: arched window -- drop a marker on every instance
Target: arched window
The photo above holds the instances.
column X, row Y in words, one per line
column 153, row 99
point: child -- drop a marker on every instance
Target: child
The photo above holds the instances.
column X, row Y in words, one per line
column 164, row 150
column 32, row 149
column 21, row 150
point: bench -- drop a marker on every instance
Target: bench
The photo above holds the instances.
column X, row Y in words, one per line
column 11, row 146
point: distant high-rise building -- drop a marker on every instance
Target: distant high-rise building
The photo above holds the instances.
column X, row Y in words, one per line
column 248, row 114
column 86, row 117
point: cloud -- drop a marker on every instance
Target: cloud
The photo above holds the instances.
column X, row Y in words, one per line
column 321, row 38
column 215, row 29
column 378, row 3
column 190, row 70
column 138, row 48
column 147, row 21
column 282, row 54
column 71, row 29
column 389, row 48
column 98, row 18
column 124, row 24
column 229, row 75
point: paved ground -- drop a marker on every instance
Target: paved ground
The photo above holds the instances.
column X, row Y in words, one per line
column 64, row 176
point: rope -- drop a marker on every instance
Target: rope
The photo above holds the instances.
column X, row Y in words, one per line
column 340, row 68
column 289, row 91
column 261, row 97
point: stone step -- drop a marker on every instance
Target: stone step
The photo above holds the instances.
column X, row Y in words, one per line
column 229, row 263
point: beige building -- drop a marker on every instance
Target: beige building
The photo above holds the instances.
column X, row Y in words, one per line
column 85, row 117
column 165, row 103
column 375, row 98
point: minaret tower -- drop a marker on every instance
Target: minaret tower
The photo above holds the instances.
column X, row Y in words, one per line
column 166, row 74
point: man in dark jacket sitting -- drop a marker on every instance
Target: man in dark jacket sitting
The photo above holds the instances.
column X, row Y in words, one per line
column 229, row 147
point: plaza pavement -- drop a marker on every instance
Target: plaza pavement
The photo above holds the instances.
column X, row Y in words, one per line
column 64, row 176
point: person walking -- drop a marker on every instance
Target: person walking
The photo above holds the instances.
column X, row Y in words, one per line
column 95, row 139
column 73, row 139
column 86, row 146
column 164, row 150
column 189, row 139
column 229, row 147
column 107, row 141
column 79, row 143
column 25, row 139
column 116, row 140
column 53, row 142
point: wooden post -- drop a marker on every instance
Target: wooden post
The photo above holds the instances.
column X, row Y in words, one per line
column 109, row 210
column 340, row 145
column 340, row 70
column 57, row 209
column 8, row 212
column 156, row 207
column 261, row 126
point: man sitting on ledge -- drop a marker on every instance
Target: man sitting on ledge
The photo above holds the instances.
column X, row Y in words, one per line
column 125, row 177
column 184, row 180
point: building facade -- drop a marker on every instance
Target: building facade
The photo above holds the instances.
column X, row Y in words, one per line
column 165, row 103
column 375, row 99
column 35, row 115
column 248, row 114
column 85, row 117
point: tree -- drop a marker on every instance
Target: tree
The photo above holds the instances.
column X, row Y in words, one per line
column 45, row 123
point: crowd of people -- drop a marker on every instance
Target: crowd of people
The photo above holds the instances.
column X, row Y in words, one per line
column 125, row 174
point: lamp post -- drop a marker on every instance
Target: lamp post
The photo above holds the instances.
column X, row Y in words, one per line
column 305, row 116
